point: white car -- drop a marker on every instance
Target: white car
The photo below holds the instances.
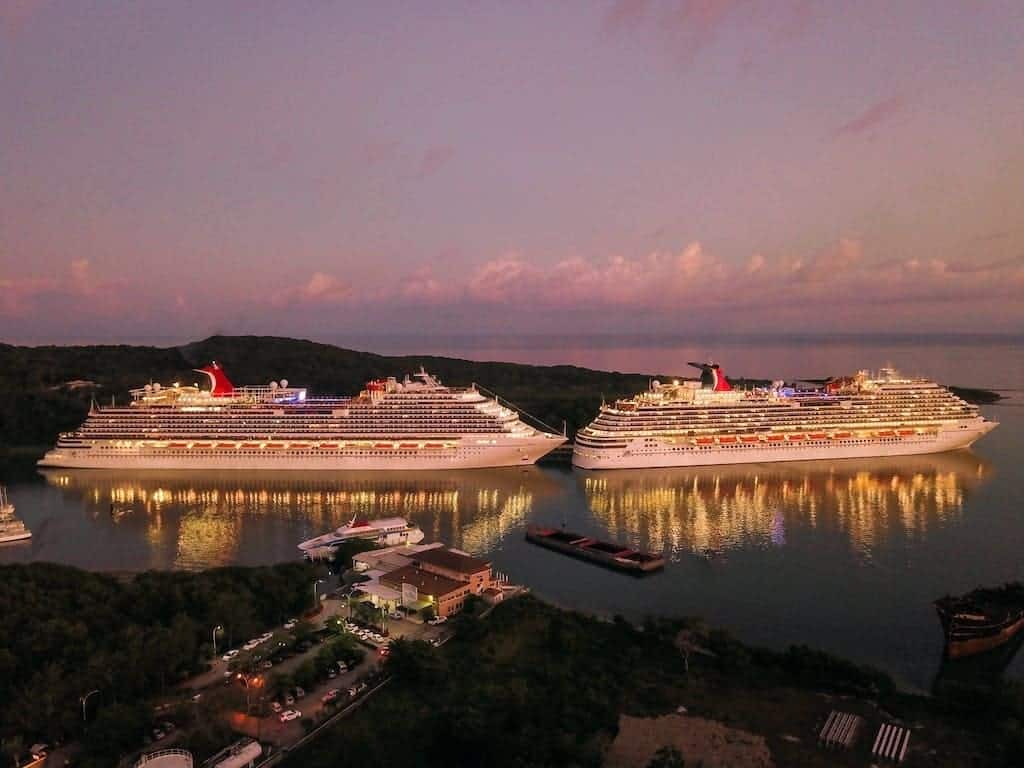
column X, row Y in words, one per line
column 229, row 655
column 397, row 615
column 276, row 706
column 250, row 645
column 438, row 620
column 266, row 636
column 290, row 714
column 290, row 624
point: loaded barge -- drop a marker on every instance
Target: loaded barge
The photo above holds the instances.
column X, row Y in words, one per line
column 601, row 552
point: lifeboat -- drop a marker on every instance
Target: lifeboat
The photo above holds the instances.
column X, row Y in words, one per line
column 750, row 439
column 409, row 445
column 727, row 440
column 383, row 445
column 273, row 446
column 250, row 445
column 817, row 436
column 177, row 445
column 227, row 445
column 775, row 438
column 796, row 437
column 704, row 440
column 328, row 446
column 201, row 445
column 907, row 432
column 886, row 433
column 841, row 435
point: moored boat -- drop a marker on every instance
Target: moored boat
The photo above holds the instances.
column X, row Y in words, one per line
column 981, row 620
column 11, row 528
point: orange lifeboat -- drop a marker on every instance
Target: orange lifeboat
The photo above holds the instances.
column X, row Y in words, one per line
column 177, row 445
column 907, row 432
column 383, row 445
column 775, row 438
column 704, row 440
column 841, row 435
column 817, row 436
column 886, row 433
column 201, row 445
column 727, row 440
column 750, row 439
column 796, row 437
column 328, row 446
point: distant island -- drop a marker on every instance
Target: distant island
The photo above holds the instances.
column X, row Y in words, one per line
column 48, row 389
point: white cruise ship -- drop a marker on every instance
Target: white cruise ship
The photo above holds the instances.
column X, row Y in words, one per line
column 693, row 423
column 384, row 532
column 412, row 424
column 11, row 528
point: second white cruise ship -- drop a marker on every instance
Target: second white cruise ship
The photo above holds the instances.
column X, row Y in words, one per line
column 412, row 424
column 709, row 422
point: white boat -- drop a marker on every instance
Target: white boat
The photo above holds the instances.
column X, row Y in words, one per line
column 384, row 532
column 412, row 424
column 708, row 422
column 11, row 528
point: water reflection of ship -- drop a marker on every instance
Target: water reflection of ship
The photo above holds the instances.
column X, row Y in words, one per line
column 718, row 508
column 202, row 514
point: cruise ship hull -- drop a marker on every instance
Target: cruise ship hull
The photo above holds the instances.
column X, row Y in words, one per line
column 639, row 455
column 519, row 453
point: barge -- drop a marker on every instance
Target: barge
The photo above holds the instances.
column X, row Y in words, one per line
column 981, row 620
column 604, row 553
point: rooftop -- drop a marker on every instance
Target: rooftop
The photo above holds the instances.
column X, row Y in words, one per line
column 427, row 583
column 452, row 561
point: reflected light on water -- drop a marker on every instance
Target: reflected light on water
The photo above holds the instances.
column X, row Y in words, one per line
column 869, row 503
column 199, row 520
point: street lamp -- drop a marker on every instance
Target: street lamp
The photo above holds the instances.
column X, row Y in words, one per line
column 316, row 597
column 84, row 699
column 216, row 629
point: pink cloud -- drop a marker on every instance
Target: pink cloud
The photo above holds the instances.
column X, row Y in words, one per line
column 15, row 14
column 321, row 288
column 874, row 115
column 433, row 160
column 684, row 27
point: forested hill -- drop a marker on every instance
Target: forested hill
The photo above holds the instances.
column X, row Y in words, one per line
column 46, row 390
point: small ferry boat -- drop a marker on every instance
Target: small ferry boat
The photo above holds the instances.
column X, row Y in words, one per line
column 385, row 532
column 588, row 548
column 11, row 528
column 981, row 620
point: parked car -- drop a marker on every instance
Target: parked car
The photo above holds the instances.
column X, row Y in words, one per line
column 331, row 674
column 266, row 636
column 250, row 645
column 266, row 664
column 230, row 655
column 397, row 615
column 276, row 706
column 352, row 692
column 289, row 700
column 158, row 734
column 331, row 695
column 299, row 692
column 290, row 624
column 342, row 666
column 384, row 652
column 288, row 715
column 437, row 620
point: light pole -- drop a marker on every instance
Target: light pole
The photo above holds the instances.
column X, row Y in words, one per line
column 316, row 598
column 84, row 699
column 216, row 629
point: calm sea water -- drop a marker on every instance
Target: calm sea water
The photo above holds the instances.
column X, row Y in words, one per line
column 843, row 555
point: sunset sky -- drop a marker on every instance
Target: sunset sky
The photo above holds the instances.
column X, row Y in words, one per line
column 171, row 170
